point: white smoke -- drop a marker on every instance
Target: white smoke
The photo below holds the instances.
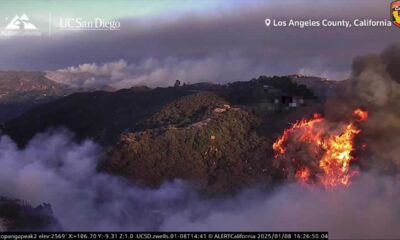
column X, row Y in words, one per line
column 55, row 169
column 158, row 72
column 367, row 209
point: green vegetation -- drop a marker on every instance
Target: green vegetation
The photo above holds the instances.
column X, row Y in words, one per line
column 185, row 110
column 219, row 151
column 218, row 137
column 286, row 85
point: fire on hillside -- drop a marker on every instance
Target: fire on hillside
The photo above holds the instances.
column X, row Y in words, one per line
column 318, row 151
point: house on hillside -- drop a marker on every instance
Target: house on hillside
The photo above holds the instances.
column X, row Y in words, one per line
column 275, row 99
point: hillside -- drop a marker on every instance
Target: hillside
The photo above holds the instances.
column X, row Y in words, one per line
column 213, row 145
column 99, row 115
column 21, row 90
column 216, row 136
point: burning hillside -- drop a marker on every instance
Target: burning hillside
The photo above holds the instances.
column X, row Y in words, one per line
column 317, row 151
column 201, row 157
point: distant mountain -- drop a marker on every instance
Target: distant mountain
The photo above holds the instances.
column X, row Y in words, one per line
column 20, row 90
column 98, row 115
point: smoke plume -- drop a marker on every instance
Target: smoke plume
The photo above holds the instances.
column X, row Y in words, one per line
column 367, row 209
column 158, row 73
column 374, row 85
column 55, row 169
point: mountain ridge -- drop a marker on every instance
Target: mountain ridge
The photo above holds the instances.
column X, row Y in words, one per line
column 216, row 136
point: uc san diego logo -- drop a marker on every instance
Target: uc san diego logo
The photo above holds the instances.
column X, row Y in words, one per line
column 395, row 12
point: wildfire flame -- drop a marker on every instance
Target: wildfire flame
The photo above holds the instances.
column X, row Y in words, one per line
column 361, row 115
column 332, row 149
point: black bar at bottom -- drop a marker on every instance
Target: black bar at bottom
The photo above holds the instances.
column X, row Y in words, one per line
column 165, row 235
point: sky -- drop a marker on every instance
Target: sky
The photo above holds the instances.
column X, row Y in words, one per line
column 217, row 41
column 108, row 10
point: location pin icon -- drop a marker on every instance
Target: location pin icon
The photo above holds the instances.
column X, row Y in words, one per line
column 267, row 22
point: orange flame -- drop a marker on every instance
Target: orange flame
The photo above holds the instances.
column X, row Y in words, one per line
column 332, row 148
column 278, row 145
column 360, row 114
column 303, row 174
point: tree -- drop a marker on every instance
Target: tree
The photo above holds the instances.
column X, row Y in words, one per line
column 177, row 83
